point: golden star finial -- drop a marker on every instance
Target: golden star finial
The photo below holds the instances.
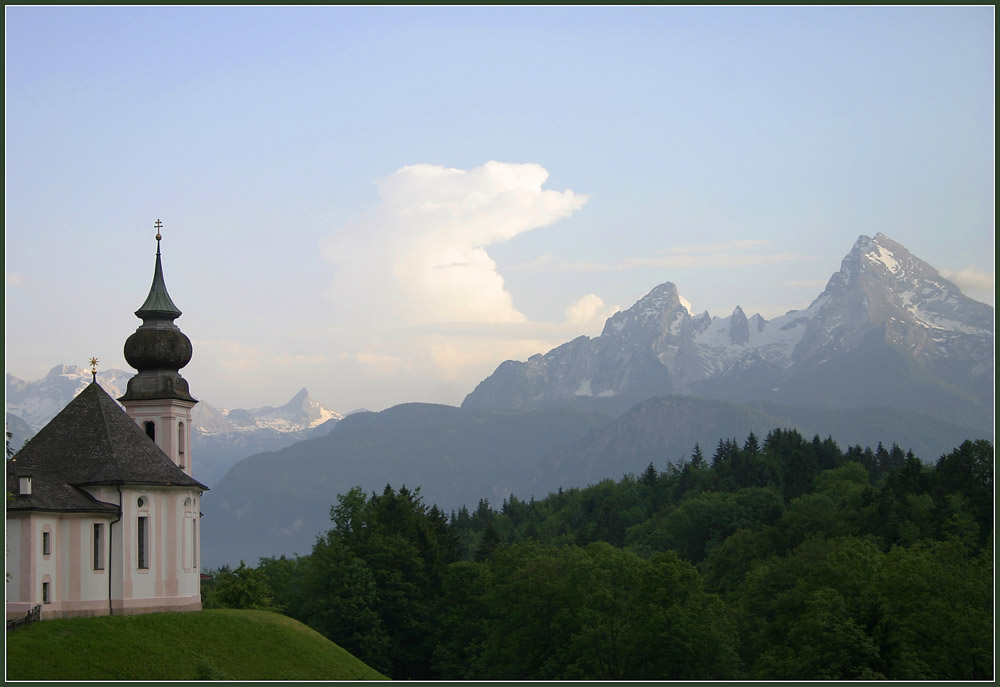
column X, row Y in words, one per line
column 93, row 368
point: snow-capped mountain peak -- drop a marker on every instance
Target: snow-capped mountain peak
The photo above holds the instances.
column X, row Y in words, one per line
column 301, row 412
column 38, row 402
column 661, row 306
column 882, row 286
column 881, row 304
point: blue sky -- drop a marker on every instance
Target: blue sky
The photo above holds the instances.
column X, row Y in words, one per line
column 383, row 204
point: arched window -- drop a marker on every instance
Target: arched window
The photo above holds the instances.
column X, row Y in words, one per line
column 142, row 543
column 150, row 427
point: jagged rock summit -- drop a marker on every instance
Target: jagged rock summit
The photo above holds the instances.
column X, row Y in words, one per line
column 887, row 331
column 883, row 287
column 301, row 412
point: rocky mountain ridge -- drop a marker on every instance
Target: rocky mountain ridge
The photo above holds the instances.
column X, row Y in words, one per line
column 883, row 303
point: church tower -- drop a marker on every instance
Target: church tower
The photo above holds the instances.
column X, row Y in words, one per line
column 157, row 398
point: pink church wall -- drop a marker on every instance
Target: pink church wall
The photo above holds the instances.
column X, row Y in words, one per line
column 76, row 587
column 167, row 419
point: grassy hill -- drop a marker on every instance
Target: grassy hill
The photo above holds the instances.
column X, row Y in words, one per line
column 216, row 644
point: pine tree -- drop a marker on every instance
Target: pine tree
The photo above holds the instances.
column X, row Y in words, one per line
column 649, row 475
column 487, row 545
column 697, row 457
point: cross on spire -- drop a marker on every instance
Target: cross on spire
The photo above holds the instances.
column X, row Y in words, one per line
column 158, row 225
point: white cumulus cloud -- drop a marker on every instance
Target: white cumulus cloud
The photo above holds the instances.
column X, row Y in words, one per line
column 420, row 256
column 686, row 303
column 979, row 285
column 588, row 310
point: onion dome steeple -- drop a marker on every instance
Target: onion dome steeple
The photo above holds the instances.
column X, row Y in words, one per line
column 158, row 348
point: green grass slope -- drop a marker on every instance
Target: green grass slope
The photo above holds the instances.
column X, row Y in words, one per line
column 215, row 644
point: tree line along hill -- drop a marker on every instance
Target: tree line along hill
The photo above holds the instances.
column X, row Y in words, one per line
column 781, row 558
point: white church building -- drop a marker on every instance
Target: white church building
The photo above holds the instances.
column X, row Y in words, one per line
column 102, row 507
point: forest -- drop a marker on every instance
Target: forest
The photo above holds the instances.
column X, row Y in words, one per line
column 781, row 558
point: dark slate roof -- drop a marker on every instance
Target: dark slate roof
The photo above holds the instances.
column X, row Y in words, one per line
column 91, row 441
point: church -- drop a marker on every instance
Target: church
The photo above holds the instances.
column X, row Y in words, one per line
column 102, row 507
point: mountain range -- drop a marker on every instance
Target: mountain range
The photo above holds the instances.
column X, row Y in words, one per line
column 889, row 352
column 221, row 437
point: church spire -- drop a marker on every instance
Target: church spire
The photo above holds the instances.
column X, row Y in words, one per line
column 158, row 348
column 158, row 304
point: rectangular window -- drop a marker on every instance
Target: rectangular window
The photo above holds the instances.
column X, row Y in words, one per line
column 98, row 546
column 46, row 543
column 194, row 543
column 141, row 542
column 45, row 593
